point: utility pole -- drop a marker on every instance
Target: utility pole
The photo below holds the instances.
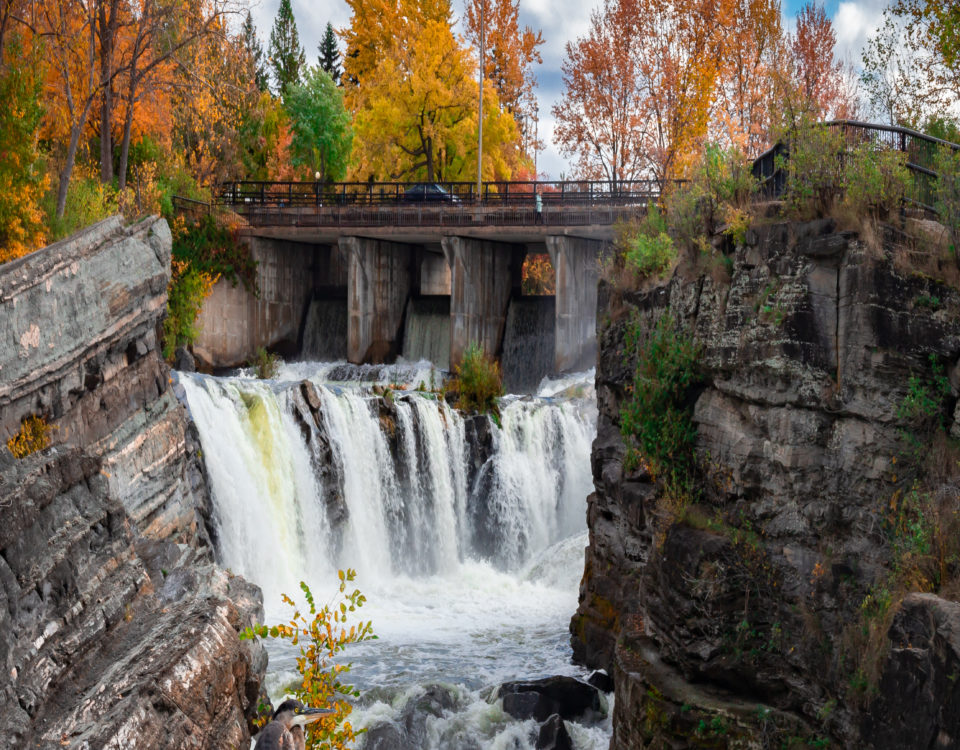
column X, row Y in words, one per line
column 480, row 119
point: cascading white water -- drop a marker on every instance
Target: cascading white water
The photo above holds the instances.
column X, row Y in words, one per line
column 468, row 537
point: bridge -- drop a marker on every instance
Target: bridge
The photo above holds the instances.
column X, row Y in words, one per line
column 370, row 271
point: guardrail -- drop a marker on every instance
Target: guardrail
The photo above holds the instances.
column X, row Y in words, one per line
column 247, row 194
column 920, row 149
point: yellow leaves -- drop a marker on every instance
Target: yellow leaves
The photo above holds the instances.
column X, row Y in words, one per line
column 33, row 436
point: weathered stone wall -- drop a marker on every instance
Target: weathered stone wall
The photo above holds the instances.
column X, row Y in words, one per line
column 727, row 622
column 120, row 630
column 234, row 323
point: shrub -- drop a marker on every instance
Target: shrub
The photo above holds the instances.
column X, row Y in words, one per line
column 537, row 276
column 215, row 250
column 264, row 364
column 812, row 169
column 726, row 176
column 947, row 195
column 320, row 638
column 477, row 381
column 187, row 290
column 656, row 417
column 88, row 201
column 875, row 180
column 648, row 248
column 34, row 435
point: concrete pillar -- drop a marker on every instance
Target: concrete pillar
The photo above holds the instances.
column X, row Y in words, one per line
column 576, row 264
column 379, row 277
column 483, row 274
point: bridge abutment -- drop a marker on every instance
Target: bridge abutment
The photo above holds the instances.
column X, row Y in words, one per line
column 380, row 276
column 576, row 264
column 483, row 275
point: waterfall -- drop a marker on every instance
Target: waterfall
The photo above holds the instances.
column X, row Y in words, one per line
column 468, row 535
column 411, row 491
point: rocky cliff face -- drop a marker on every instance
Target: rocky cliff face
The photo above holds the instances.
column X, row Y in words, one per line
column 774, row 606
column 121, row 631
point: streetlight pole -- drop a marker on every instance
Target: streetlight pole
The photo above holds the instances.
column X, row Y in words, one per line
column 480, row 119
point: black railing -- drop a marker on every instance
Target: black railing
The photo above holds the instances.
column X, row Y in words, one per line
column 248, row 195
column 921, row 152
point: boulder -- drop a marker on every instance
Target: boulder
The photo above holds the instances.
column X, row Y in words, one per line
column 538, row 699
column 601, row 681
column 553, row 735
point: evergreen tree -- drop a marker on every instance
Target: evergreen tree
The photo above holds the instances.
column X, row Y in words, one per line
column 255, row 50
column 330, row 54
column 286, row 54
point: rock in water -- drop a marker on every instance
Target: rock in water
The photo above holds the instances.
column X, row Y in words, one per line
column 553, row 735
column 538, row 699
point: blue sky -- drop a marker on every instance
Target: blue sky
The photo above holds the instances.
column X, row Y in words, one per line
column 561, row 21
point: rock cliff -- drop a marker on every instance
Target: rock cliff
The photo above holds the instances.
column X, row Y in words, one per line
column 777, row 605
column 121, row 632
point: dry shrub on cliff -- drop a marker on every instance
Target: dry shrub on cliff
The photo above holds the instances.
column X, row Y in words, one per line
column 320, row 637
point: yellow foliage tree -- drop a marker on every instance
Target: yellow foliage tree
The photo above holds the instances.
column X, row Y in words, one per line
column 416, row 114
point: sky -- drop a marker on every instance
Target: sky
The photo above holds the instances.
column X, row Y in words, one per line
column 562, row 21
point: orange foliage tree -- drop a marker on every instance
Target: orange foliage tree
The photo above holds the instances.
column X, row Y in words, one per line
column 509, row 56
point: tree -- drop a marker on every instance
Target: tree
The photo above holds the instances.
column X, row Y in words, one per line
column 322, row 136
column 416, row 113
column 746, row 91
column 330, row 54
column 255, row 50
column 22, row 180
column 375, row 30
column 818, row 73
column 286, row 54
column 509, row 54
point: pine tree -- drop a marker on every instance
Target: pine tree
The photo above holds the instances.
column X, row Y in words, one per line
column 286, row 54
column 255, row 50
column 330, row 54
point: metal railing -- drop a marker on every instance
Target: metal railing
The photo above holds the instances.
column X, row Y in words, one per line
column 247, row 194
column 921, row 156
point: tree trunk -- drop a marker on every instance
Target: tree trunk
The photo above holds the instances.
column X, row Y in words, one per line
column 125, row 147
column 68, row 170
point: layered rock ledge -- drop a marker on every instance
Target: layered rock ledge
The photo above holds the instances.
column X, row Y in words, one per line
column 732, row 622
column 120, row 630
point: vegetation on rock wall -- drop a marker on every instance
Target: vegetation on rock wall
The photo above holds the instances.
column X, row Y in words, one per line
column 655, row 418
column 320, row 637
column 33, row 436
column 187, row 290
column 264, row 364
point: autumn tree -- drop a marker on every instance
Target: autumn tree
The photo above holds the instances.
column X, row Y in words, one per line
column 22, row 179
column 510, row 54
column 255, row 53
column 375, row 30
column 416, row 112
column 752, row 39
column 818, row 73
column 320, row 125
column 286, row 54
column 330, row 54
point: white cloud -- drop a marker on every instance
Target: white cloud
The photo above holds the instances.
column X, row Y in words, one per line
column 854, row 23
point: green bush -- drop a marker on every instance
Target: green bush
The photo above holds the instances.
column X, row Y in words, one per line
column 88, row 201
column 477, row 382
column 648, row 249
column 947, row 195
column 875, row 180
column 186, row 291
column 264, row 364
column 205, row 246
column 655, row 419
column 813, row 172
column 727, row 176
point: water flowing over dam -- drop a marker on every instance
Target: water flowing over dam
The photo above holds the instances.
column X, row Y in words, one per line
column 468, row 537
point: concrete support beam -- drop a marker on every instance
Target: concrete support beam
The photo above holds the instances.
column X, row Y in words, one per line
column 483, row 275
column 234, row 323
column 576, row 264
column 379, row 279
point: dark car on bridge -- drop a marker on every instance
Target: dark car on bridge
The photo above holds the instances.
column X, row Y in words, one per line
column 428, row 192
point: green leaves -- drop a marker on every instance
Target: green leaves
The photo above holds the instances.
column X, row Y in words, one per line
column 320, row 125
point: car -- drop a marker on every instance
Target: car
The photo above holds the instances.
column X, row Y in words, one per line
column 428, row 192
